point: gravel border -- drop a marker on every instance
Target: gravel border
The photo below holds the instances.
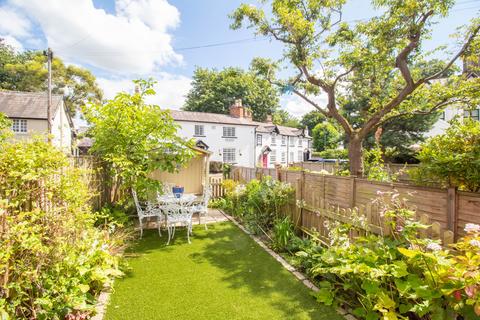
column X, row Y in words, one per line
column 300, row 276
column 101, row 306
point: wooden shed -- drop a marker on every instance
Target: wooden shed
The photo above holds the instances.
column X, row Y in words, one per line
column 192, row 176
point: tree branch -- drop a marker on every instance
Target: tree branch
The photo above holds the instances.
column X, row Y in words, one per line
column 313, row 103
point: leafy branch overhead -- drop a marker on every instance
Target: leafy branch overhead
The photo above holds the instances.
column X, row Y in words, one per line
column 380, row 61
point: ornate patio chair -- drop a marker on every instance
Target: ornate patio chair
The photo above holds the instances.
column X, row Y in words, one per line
column 179, row 213
column 147, row 210
column 167, row 188
column 202, row 207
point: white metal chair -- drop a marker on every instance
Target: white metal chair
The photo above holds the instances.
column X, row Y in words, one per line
column 202, row 207
column 179, row 212
column 167, row 188
column 147, row 210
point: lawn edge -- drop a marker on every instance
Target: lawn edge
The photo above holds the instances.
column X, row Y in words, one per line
column 101, row 306
column 300, row 276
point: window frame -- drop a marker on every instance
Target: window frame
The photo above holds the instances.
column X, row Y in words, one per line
column 232, row 152
column 18, row 125
column 273, row 157
column 259, row 140
column 284, row 140
column 229, row 132
column 292, row 141
column 300, row 156
column 274, row 139
column 283, row 157
column 202, row 133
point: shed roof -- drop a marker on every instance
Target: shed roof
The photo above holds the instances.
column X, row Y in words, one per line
column 28, row 105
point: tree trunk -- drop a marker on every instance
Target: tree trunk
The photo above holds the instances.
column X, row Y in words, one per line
column 355, row 156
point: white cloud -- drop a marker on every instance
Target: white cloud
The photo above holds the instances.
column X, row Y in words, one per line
column 11, row 41
column 297, row 107
column 134, row 40
column 13, row 23
column 171, row 89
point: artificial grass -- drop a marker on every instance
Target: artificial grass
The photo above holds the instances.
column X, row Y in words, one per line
column 222, row 274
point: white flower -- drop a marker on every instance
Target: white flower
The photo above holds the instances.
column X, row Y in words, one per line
column 475, row 243
column 434, row 246
column 472, row 227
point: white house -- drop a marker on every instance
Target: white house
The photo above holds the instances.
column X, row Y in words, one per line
column 237, row 139
column 28, row 112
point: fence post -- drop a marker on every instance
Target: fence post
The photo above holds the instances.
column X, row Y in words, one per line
column 353, row 185
column 452, row 209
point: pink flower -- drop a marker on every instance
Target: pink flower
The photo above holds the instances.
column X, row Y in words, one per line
column 472, row 227
column 471, row 291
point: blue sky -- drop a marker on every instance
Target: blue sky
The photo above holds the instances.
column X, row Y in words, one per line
column 124, row 39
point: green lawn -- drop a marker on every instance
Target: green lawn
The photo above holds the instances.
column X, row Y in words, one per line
column 223, row 274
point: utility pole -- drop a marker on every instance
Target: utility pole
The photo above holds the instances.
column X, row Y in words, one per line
column 49, row 54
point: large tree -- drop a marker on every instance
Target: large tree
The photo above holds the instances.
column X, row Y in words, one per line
column 215, row 91
column 27, row 71
column 375, row 61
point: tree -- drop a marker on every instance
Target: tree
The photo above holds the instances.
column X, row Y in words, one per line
column 135, row 138
column 28, row 72
column 5, row 127
column 283, row 118
column 215, row 91
column 311, row 119
column 452, row 158
column 325, row 136
column 371, row 61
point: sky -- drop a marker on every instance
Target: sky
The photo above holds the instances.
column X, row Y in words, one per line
column 121, row 40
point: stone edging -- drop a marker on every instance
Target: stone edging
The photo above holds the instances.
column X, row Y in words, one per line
column 300, row 276
column 101, row 306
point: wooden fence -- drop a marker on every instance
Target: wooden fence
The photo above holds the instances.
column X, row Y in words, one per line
column 217, row 188
column 448, row 209
column 332, row 167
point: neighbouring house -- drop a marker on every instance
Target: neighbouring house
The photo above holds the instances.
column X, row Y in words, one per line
column 237, row 139
column 471, row 70
column 28, row 112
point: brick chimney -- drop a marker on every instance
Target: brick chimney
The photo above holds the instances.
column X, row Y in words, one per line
column 237, row 110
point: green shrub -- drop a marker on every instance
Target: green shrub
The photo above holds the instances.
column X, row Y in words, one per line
column 398, row 276
column 332, row 154
column 452, row 158
column 282, row 234
column 258, row 203
column 53, row 261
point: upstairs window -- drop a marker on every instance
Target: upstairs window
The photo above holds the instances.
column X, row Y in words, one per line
column 473, row 114
column 292, row 141
column 300, row 142
column 274, row 139
column 229, row 155
column 19, row 125
column 259, row 139
column 284, row 140
column 229, row 132
column 199, row 130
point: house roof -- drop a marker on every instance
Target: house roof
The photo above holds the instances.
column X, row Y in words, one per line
column 28, row 105
column 227, row 119
column 209, row 117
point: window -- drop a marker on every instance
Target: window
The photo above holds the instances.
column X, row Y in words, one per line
column 199, row 130
column 284, row 140
column 291, row 157
column 300, row 142
column 284, row 157
column 292, row 141
column 300, row 156
column 259, row 139
column 19, row 125
column 273, row 156
column 229, row 155
column 229, row 132
column 442, row 116
column 473, row 114
column 274, row 139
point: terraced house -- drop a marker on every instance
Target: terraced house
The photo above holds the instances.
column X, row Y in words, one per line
column 237, row 139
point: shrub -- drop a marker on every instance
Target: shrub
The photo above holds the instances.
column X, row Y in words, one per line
column 53, row 261
column 282, row 234
column 396, row 276
column 452, row 158
column 332, row 154
column 258, row 203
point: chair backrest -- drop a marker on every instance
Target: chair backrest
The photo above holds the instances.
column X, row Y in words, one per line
column 137, row 204
column 167, row 188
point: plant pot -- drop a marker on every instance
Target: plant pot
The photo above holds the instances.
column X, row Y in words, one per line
column 178, row 191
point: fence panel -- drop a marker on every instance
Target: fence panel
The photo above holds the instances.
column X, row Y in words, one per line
column 468, row 210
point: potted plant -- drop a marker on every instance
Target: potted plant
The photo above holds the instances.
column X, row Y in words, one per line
column 178, row 191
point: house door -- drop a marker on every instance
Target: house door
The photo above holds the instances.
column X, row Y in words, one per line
column 265, row 160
